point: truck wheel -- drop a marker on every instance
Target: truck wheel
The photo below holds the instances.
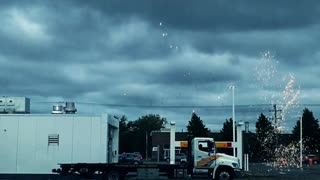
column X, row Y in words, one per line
column 224, row 174
column 113, row 175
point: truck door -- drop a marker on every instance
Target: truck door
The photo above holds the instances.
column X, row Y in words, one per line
column 204, row 154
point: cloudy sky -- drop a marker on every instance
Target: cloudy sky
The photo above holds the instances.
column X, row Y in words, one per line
column 168, row 57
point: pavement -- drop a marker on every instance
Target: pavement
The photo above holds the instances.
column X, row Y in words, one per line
column 267, row 171
column 264, row 171
column 260, row 171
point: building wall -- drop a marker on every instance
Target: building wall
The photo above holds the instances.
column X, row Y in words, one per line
column 25, row 147
column 162, row 140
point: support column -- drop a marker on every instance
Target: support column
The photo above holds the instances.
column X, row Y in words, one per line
column 240, row 143
column 172, row 142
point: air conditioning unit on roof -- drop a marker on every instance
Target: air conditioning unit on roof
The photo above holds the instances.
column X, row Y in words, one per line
column 14, row 105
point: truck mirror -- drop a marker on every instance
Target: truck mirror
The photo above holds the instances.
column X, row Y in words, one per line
column 210, row 145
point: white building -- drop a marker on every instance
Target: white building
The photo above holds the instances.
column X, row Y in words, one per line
column 37, row 143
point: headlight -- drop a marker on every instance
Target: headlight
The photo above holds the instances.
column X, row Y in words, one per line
column 235, row 165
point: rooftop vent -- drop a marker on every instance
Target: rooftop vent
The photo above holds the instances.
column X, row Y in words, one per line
column 70, row 108
column 57, row 109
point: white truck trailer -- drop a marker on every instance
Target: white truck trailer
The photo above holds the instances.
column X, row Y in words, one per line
column 35, row 144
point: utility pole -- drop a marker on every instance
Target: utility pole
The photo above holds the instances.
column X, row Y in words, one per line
column 275, row 117
column 233, row 122
column 276, row 123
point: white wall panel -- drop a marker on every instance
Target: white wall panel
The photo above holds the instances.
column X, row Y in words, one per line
column 8, row 144
column 24, row 141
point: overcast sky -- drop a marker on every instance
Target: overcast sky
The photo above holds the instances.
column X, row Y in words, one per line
column 176, row 56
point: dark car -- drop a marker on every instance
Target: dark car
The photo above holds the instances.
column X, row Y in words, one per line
column 315, row 158
column 130, row 158
column 179, row 158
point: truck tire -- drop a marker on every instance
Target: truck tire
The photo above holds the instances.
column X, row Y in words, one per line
column 224, row 174
column 113, row 175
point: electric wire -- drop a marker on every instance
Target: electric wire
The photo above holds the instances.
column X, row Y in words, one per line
column 172, row 106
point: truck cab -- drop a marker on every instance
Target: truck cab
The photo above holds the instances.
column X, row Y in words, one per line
column 206, row 160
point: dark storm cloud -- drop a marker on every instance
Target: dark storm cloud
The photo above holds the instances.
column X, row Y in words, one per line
column 246, row 27
column 153, row 53
column 218, row 14
column 289, row 46
column 73, row 33
column 180, row 75
column 39, row 79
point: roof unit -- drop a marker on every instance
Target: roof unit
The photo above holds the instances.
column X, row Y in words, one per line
column 70, row 108
column 14, row 105
column 57, row 109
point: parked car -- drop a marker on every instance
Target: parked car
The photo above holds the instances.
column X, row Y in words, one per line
column 130, row 158
column 315, row 158
column 179, row 158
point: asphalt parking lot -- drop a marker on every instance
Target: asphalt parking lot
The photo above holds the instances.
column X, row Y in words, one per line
column 258, row 171
column 264, row 171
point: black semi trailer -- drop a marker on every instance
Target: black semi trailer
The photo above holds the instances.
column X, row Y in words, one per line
column 203, row 161
column 120, row 171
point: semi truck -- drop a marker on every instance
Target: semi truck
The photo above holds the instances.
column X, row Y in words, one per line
column 205, row 161
column 68, row 144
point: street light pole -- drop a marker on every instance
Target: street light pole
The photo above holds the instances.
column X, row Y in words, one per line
column 301, row 142
column 233, row 122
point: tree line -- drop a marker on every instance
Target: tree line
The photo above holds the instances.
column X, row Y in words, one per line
column 135, row 135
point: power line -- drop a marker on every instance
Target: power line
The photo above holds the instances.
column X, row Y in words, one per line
column 172, row 106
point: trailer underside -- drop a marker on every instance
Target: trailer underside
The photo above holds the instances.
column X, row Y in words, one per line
column 119, row 171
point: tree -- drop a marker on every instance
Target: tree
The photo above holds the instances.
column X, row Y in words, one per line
column 125, row 134
column 150, row 122
column 227, row 130
column 227, row 134
column 265, row 138
column 123, row 124
column 135, row 135
column 142, row 128
column 196, row 128
column 310, row 131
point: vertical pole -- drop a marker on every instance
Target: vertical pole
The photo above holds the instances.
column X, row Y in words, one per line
column 247, row 162
column 146, row 145
column 275, row 116
column 172, row 141
column 239, row 143
column 301, row 142
column 233, row 123
column 158, row 153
